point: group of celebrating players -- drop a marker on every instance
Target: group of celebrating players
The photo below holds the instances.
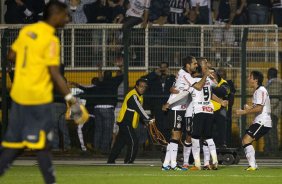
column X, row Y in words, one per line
column 190, row 106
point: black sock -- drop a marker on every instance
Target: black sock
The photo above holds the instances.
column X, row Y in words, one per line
column 7, row 157
column 46, row 167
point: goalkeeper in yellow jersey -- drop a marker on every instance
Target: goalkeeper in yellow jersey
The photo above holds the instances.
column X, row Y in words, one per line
column 36, row 53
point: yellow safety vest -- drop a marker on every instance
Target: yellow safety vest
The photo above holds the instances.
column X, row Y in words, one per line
column 217, row 105
column 123, row 109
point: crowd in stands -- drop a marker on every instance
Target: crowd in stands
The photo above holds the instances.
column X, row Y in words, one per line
column 160, row 11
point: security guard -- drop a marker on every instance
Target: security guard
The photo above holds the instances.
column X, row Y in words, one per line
column 128, row 121
column 222, row 90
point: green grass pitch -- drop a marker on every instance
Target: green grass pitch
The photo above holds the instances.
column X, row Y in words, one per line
column 143, row 175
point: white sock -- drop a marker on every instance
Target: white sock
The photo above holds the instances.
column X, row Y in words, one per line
column 212, row 149
column 196, row 151
column 186, row 152
column 80, row 136
column 167, row 156
column 207, row 154
column 173, row 154
column 250, row 154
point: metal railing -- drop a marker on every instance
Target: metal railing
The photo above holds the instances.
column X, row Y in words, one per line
column 84, row 46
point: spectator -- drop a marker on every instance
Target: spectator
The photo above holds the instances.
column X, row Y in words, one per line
column 23, row 11
column 191, row 18
column 77, row 10
column 159, row 84
column 222, row 91
column 104, row 110
column 231, row 96
column 118, row 11
column 258, row 11
column 98, row 12
column 225, row 15
column 137, row 9
column 202, row 8
column 274, row 88
column 177, row 12
column 159, row 11
column 277, row 12
column 241, row 17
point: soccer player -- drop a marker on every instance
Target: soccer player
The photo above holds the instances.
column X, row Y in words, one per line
column 36, row 53
column 187, row 145
column 176, row 113
column 202, row 119
column 262, row 122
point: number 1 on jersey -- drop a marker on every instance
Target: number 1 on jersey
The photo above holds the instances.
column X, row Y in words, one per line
column 25, row 56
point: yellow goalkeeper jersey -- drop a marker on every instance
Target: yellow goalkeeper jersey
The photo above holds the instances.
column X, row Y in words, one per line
column 36, row 49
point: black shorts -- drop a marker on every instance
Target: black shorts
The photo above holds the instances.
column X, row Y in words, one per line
column 188, row 124
column 202, row 126
column 29, row 126
column 176, row 120
column 256, row 131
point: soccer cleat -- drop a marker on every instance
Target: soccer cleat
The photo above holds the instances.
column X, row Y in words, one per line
column 207, row 167
column 177, row 168
column 214, row 166
column 185, row 167
column 251, row 169
column 195, row 168
column 167, row 168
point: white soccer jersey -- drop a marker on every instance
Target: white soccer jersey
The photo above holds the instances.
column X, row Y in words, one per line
column 261, row 97
column 202, row 99
column 137, row 7
column 183, row 82
column 189, row 110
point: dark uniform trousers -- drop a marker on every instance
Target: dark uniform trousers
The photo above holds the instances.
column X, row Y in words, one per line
column 126, row 136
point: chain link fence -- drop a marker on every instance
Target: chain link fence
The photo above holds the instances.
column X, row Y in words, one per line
column 85, row 47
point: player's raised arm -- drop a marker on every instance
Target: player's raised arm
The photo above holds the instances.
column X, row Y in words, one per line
column 202, row 63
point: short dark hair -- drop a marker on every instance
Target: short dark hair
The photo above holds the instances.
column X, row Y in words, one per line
column 222, row 73
column 141, row 80
column 201, row 58
column 187, row 60
column 166, row 63
column 257, row 75
column 52, row 7
column 272, row 73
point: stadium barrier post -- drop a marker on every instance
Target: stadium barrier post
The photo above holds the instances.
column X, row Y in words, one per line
column 4, row 104
column 243, row 78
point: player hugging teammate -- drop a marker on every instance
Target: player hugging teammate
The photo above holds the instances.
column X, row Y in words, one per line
column 197, row 118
